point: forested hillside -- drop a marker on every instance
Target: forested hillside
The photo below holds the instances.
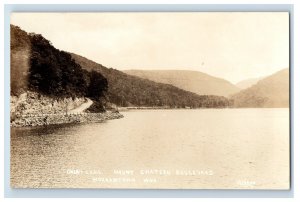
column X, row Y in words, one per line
column 20, row 49
column 44, row 69
column 272, row 91
column 36, row 65
column 127, row 90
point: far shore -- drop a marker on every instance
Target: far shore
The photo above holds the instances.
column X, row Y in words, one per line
column 122, row 109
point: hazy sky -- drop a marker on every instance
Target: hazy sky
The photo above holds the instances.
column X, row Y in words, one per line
column 233, row 46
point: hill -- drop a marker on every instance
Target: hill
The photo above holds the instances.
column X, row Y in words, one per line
column 272, row 91
column 36, row 65
column 193, row 81
column 128, row 90
column 57, row 74
column 20, row 49
column 247, row 83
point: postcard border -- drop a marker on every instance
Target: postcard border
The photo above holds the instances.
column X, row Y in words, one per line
column 137, row 193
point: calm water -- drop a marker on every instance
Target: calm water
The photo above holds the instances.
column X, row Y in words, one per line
column 209, row 148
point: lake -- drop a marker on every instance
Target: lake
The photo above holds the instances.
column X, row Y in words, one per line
column 202, row 148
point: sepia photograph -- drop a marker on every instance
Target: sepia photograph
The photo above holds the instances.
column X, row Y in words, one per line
column 150, row 100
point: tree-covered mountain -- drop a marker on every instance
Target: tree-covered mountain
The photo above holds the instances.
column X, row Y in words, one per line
column 128, row 90
column 36, row 65
column 20, row 50
column 272, row 91
column 193, row 81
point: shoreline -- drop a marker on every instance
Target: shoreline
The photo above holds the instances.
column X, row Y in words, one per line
column 124, row 109
column 62, row 118
column 55, row 119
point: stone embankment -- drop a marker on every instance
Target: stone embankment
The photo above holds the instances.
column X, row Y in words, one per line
column 34, row 103
column 50, row 119
column 33, row 109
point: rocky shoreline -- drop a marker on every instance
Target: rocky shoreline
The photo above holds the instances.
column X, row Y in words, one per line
column 52, row 119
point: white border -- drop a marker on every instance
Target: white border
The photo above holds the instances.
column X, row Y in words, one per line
column 296, row 75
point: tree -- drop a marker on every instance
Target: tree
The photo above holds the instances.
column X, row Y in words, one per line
column 98, row 85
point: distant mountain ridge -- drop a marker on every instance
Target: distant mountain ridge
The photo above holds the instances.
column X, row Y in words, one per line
column 248, row 82
column 193, row 81
column 130, row 90
column 272, row 91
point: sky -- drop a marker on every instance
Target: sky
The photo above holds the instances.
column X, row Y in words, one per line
column 230, row 45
